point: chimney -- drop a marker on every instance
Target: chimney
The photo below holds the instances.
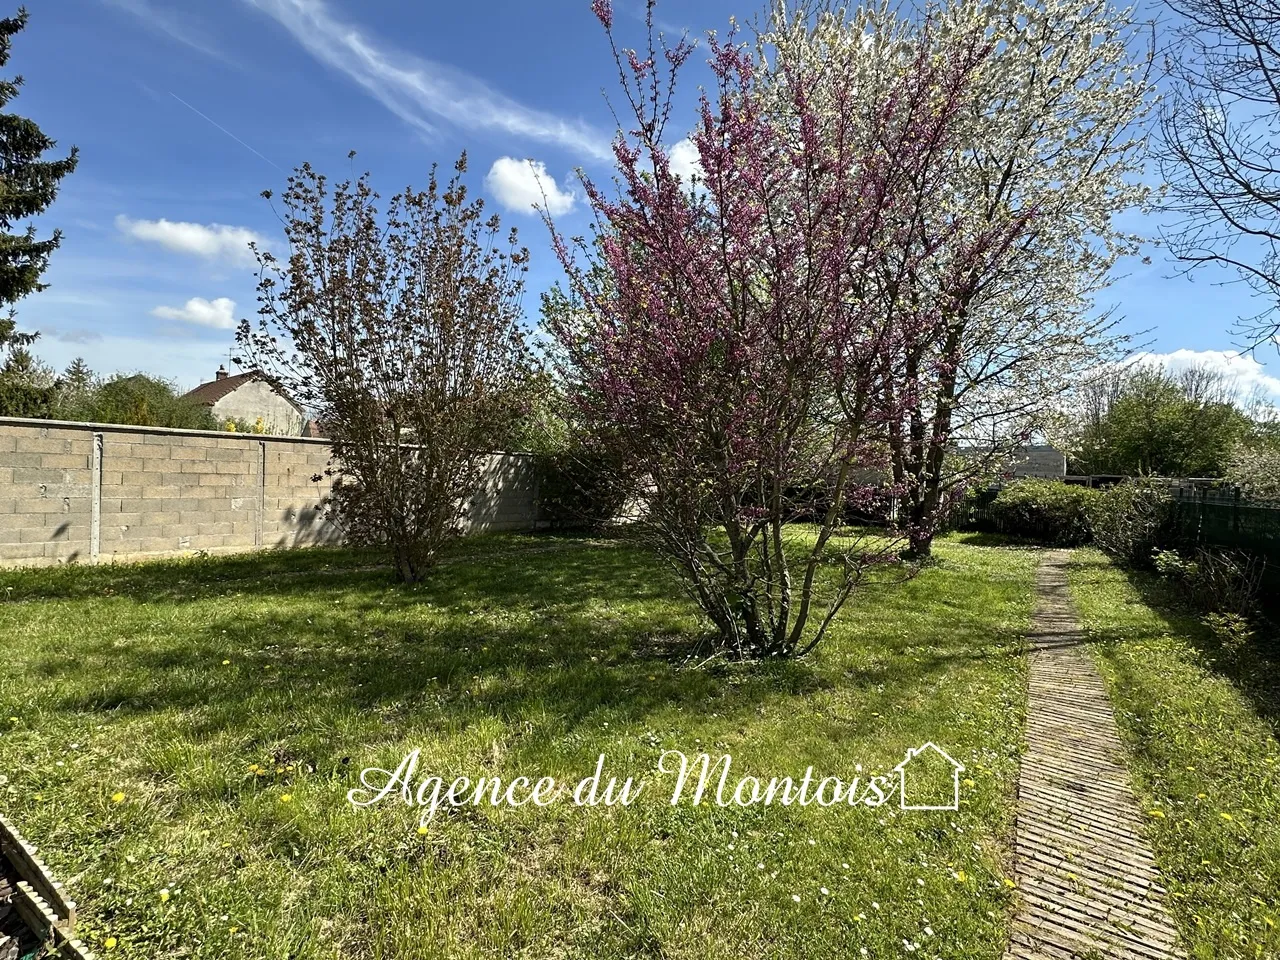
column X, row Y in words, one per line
column 221, row 374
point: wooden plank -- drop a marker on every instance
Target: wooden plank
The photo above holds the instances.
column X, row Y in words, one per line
column 1088, row 884
column 39, row 917
column 24, row 859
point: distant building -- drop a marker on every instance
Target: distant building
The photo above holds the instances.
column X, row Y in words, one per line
column 1039, row 461
column 250, row 397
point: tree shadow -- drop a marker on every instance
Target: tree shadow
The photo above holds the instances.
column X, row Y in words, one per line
column 571, row 633
column 1253, row 670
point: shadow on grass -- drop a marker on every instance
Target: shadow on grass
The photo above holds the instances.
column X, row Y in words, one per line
column 552, row 632
column 973, row 538
column 1254, row 670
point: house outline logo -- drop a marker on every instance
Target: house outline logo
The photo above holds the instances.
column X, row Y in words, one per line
column 957, row 768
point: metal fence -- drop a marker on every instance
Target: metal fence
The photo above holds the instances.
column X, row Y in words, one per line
column 1221, row 518
column 1204, row 515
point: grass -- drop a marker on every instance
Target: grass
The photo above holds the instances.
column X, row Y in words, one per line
column 179, row 739
column 1201, row 725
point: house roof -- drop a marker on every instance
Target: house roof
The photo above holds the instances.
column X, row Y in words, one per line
column 213, row 391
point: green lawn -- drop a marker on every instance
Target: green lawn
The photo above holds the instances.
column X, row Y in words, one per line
column 1201, row 725
column 180, row 738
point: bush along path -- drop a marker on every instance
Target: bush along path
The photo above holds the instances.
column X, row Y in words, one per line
column 1088, row 884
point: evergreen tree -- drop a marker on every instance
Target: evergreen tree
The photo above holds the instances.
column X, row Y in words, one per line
column 28, row 184
column 78, row 375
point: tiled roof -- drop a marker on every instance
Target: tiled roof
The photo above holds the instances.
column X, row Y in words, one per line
column 213, row 391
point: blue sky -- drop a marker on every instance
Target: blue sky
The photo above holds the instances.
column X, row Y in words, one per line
column 185, row 110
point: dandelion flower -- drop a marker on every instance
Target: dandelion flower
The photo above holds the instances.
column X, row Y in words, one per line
column 164, row 895
column 110, row 943
column 422, row 831
column 118, row 797
column 286, row 798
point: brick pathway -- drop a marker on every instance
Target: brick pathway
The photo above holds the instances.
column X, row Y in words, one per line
column 1088, row 886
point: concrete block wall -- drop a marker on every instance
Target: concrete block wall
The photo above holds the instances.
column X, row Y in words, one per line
column 89, row 493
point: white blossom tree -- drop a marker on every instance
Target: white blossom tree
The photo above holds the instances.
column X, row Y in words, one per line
column 1050, row 153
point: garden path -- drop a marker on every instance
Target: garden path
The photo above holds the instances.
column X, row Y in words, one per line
column 1088, row 886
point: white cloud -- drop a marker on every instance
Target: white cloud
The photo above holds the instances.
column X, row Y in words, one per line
column 416, row 89
column 1247, row 372
column 685, row 162
column 219, row 314
column 525, row 186
column 216, row 241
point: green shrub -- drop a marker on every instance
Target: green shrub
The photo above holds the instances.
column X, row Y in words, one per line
column 1133, row 520
column 1224, row 582
column 1049, row 511
column 578, row 490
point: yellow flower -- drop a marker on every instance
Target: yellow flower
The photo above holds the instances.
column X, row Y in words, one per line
column 1009, row 883
column 286, row 797
column 226, row 662
column 1156, row 813
column 960, row 877
column 422, row 831
column 117, row 797
column 164, row 895
column 109, row 943
column 233, row 929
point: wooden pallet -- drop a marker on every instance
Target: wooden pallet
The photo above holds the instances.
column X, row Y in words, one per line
column 36, row 917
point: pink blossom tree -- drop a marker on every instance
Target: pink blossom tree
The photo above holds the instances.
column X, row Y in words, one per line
column 728, row 345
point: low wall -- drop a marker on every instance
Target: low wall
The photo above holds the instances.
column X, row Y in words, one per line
column 88, row 493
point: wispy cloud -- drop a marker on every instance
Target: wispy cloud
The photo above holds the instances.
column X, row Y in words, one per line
column 214, row 241
column 177, row 27
column 421, row 91
column 524, row 186
column 219, row 314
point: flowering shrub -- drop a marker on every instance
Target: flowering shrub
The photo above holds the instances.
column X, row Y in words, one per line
column 725, row 349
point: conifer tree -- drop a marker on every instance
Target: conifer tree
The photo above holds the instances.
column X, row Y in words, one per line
column 28, row 184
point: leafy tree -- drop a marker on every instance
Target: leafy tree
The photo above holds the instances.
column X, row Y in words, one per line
column 1254, row 464
column 402, row 334
column 723, row 350
column 1022, row 239
column 148, row 402
column 28, row 184
column 1152, row 422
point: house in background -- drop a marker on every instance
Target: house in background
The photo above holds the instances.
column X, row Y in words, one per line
column 1039, row 460
column 250, row 397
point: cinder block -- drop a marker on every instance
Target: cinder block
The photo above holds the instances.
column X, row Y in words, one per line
column 21, row 551
column 70, row 551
